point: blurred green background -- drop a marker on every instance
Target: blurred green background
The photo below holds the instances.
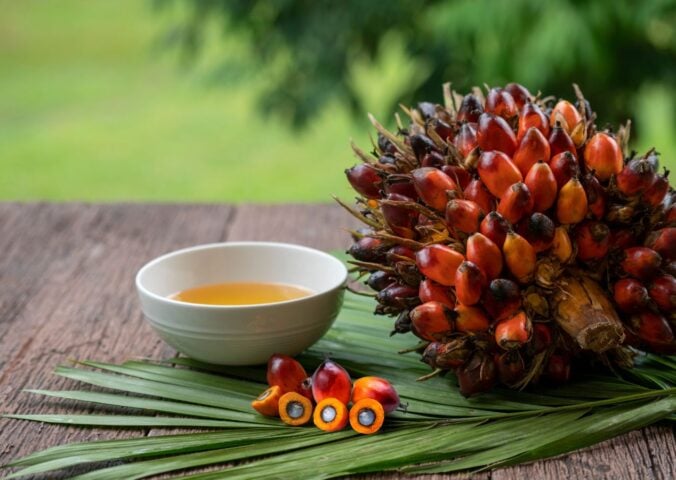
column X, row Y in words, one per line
column 257, row 101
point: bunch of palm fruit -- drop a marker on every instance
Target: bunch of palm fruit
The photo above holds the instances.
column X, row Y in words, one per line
column 516, row 238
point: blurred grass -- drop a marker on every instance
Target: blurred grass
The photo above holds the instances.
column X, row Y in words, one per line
column 92, row 108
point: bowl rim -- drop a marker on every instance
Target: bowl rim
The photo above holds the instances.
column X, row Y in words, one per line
column 207, row 246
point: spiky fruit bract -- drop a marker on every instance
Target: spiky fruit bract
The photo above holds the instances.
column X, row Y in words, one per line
column 517, row 239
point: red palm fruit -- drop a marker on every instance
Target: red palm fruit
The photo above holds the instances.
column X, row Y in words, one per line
column 560, row 141
column 670, row 216
column 663, row 293
column 443, row 129
column 596, row 195
column 655, row 193
column 511, row 367
column 519, row 93
column 622, row 239
column 398, row 253
column 428, row 291
column 494, row 133
column 477, row 375
column 397, row 295
column 458, row 174
column 516, row 203
column 497, row 172
column 502, row 298
column 593, row 240
column 603, row 155
column 463, row 215
column 431, row 321
column 630, row 295
column 471, row 319
column 564, row 167
column 539, row 230
column 571, row 206
column 330, row 380
column 433, row 186
column 470, row 109
column 439, row 263
column 365, row 179
column 466, row 139
column 377, row 389
column 433, row 159
column 379, row 280
column 401, row 186
column 663, row 241
column 558, row 368
column 495, row 227
column 470, row 282
column 532, row 116
column 422, row 145
column 288, row 374
column 533, row 147
column 566, row 113
column 519, row 256
column 451, row 354
column 542, row 337
column 635, row 177
column 541, row 182
column 368, row 249
column 513, row 331
column 654, row 331
column 500, row 102
column 400, row 219
column 477, row 192
column 670, row 268
column 483, row 252
column 641, row 262
column 562, row 247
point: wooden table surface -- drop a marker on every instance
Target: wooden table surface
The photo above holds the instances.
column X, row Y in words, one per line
column 66, row 291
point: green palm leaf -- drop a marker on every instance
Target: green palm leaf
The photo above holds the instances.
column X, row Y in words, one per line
column 441, row 431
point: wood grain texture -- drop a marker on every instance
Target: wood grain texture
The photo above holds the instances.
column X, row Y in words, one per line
column 66, row 291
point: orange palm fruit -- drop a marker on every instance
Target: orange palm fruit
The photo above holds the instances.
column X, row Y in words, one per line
column 636, row 176
column 539, row 230
column 494, row 133
column 470, row 109
column 655, row 193
column 663, row 292
column 560, row 141
column 470, row 282
column 500, row 102
column 519, row 256
column 295, row 409
column 532, row 116
column 502, row 298
column 602, row 154
column 439, row 263
column 519, row 93
column 477, row 192
column 484, row 253
column 330, row 415
column 596, row 195
column 541, row 182
column 466, row 139
column 433, row 186
column 429, row 291
column 267, row 403
column 460, row 175
column 367, row 416
column 516, row 203
column 562, row 247
column 470, row 319
column 641, row 262
column 431, row 321
column 497, row 172
column 564, row 167
column 571, row 206
column 514, row 331
column 330, row 380
column 463, row 215
column 533, row 147
column 593, row 240
column 565, row 113
column 663, row 241
column 287, row 373
column 377, row 389
column 495, row 227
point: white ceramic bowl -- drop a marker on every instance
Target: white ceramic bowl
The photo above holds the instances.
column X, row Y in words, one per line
column 242, row 334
